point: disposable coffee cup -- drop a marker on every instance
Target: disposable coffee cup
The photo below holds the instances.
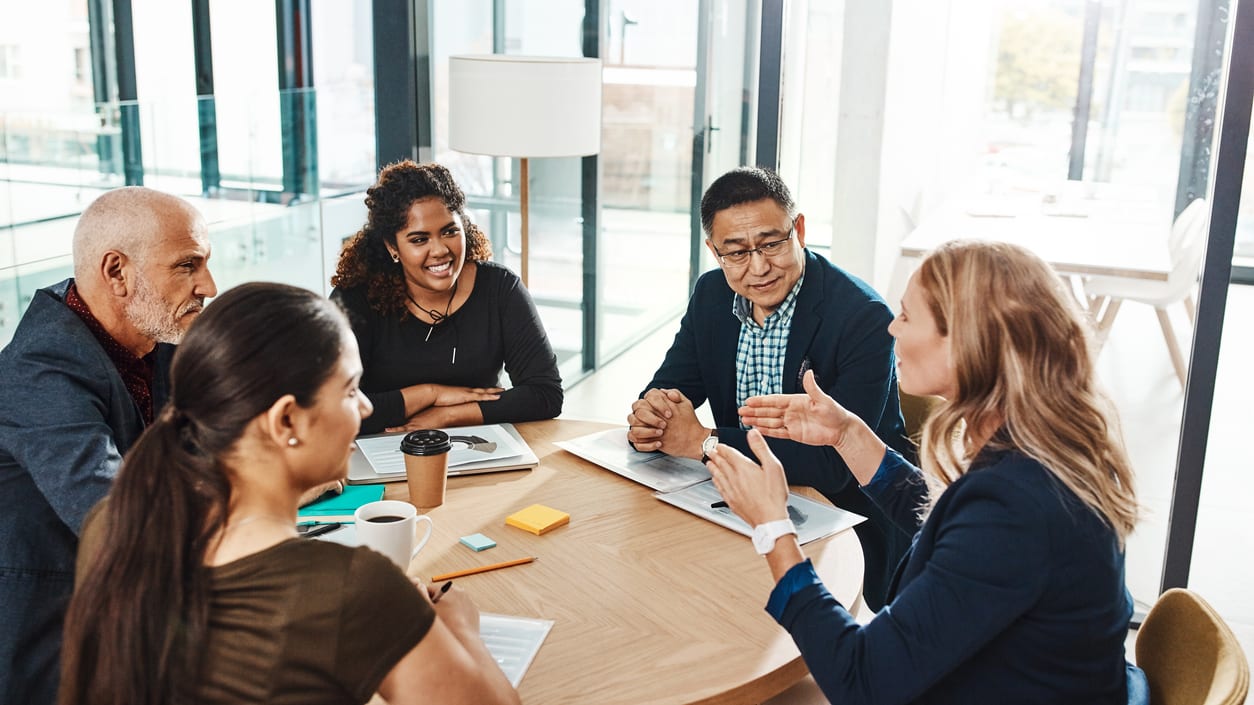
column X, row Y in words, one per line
column 391, row 528
column 426, row 466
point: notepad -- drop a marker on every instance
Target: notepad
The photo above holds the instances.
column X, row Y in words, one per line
column 538, row 519
column 345, row 503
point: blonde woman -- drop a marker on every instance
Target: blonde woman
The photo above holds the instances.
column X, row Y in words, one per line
column 1014, row 588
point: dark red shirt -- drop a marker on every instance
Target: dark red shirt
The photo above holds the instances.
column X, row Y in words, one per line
column 137, row 372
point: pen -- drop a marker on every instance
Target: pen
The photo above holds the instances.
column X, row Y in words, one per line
column 719, row 505
column 443, row 589
column 481, row 569
column 319, row 530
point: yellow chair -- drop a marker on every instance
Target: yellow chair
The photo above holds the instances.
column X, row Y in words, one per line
column 1189, row 655
column 914, row 411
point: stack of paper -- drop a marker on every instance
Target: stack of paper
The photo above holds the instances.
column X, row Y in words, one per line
column 813, row 520
column 655, row 470
column 686, row 484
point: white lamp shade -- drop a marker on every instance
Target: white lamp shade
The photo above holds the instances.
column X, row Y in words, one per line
column 525, row 106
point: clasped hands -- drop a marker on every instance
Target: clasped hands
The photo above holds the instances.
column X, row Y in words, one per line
column 665, row 420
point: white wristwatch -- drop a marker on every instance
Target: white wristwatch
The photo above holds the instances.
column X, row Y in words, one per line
column 765, row 535
column 709, row 444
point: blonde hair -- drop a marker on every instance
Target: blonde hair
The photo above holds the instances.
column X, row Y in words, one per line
column 1020, row 349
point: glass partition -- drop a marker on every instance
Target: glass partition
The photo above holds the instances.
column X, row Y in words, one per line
column 979, row 138
column 42, row 193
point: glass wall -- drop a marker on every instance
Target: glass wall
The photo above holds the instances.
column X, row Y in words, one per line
column 165, row 73
column 955, row 119
column 59, row 149
column 646, row 167
column 1223, row 528
column 343, row 68
column 246, row 88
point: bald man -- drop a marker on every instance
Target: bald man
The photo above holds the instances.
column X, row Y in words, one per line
column 83, row 376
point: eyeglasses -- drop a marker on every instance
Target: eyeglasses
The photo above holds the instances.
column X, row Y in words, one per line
column 775, row 249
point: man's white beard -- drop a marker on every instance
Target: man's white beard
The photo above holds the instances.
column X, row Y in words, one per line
column 152, row 316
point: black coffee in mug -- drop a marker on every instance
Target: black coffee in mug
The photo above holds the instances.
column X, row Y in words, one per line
column 385, row 519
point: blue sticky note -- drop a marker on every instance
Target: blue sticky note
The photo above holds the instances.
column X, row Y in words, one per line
column 478, row 542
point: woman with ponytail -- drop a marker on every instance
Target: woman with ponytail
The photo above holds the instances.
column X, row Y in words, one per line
column 1013, row 591
column 193, row 585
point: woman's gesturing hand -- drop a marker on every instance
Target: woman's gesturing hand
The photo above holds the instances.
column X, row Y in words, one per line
column 756, row 493
column 812, row 418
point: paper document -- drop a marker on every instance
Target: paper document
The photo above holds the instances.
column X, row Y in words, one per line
column 513, row 641
column 814, row 520
column 656, row 470
column 471, row 444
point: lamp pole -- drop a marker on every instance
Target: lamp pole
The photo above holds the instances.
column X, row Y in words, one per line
column 525, row 180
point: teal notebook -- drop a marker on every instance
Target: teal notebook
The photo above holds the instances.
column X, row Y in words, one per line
column 345, row 503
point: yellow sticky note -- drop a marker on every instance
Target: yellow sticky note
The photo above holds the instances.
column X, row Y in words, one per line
column 538, row 519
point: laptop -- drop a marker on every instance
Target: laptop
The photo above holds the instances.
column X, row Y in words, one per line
column 476, row 450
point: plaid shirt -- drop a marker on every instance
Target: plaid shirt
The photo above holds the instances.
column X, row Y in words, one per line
column 760, row 350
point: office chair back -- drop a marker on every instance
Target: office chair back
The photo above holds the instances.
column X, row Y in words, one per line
column 1189, row 654
column 1186, row 244
column 914, row 411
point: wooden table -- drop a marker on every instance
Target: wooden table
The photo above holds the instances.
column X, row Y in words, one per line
column 651, row 604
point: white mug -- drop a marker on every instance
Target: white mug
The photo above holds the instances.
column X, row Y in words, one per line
column 396, row 535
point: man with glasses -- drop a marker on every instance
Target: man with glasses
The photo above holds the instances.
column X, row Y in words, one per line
column 777, row 311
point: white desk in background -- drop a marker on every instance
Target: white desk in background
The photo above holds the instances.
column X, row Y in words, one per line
column 1087, row 237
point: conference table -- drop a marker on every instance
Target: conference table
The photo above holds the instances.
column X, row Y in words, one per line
column 650, row 603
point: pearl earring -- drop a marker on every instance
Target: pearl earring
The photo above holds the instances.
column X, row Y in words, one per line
column 293, row 442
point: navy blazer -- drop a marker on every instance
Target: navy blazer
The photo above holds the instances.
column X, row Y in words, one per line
column 1013, row 593
column 66, row 419
column 839, row 329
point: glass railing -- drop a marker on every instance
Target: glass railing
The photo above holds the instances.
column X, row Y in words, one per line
column 212, row 153
column 275, row 212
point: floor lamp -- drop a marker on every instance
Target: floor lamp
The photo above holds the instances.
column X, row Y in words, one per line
column 524, row 106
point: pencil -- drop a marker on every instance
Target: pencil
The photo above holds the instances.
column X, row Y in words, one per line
column 481, row 569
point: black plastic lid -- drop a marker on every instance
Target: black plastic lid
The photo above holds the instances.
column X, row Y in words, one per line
column 426, row 442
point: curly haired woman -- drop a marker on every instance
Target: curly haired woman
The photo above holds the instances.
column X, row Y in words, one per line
column 435, row 318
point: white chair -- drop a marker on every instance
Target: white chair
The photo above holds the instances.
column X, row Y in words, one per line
column 1186, row 245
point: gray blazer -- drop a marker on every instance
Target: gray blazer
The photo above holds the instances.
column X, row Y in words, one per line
column 66, row 419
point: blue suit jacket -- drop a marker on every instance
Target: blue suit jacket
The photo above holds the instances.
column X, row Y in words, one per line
column 1013, row 593
column 840, row 330
column 66, row 419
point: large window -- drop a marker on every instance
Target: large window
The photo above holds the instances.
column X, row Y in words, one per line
column 979, row 138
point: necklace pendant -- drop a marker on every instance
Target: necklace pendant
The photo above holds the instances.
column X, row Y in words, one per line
column 429, row 332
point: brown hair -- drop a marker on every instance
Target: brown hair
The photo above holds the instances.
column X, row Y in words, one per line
column 137, row 622
column 1021, row 353
column 365, row 260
